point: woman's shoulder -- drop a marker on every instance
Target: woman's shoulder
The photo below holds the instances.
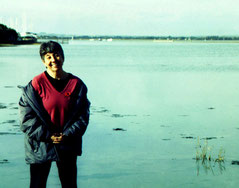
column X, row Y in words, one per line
column 79, row 82
column 37, row 80
column 77, row 79
column 39, row 77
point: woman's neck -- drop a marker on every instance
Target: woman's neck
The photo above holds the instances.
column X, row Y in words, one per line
column 58, row 75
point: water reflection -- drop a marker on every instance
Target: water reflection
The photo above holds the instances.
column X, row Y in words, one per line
column 210, row 166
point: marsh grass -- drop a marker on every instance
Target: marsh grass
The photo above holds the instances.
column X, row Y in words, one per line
column 205, row 159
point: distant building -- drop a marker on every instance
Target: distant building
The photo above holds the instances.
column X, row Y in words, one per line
column 28, row 37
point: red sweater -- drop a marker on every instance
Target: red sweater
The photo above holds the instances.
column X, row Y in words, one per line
column 57, row 104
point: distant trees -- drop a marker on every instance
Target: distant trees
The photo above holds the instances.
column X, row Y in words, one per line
column 174, row 38
column 7, row 35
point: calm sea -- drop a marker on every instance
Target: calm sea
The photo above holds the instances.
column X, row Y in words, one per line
column 162, row 97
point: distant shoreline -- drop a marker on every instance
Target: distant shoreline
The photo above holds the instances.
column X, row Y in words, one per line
column 12, row 44
column 66, row 41
column 198, row 41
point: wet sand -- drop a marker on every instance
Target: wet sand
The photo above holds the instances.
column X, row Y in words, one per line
column 119, row 153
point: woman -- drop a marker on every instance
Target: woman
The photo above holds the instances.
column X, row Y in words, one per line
column 54, row 114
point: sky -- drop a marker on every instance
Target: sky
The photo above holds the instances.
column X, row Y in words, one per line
column 123, row 17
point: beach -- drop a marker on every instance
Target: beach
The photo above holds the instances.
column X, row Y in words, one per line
column 151, row 104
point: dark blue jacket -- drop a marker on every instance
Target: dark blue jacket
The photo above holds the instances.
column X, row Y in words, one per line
column 36, row 124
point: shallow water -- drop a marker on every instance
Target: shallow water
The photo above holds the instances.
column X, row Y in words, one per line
column 164, row 95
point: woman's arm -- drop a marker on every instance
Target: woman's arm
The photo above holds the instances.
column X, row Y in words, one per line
column 31, row 124
column 81, row 121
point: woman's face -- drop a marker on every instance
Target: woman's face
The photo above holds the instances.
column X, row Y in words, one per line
column 53, row 62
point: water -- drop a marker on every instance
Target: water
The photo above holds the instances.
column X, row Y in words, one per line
column 165, row 95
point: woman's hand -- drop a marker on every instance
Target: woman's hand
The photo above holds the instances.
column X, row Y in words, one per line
column 57, row 138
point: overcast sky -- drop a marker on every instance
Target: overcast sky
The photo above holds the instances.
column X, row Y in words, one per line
column 123, row 17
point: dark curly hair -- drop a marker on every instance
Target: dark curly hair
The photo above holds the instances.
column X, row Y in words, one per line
column 51, row 47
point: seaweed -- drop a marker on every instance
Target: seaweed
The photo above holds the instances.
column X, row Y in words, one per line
column 2, row 106
column 9, row 133
column 221, row 155
column 203, row 152
column 204, row 155
column 184, row 115
column 102, row 111
column 235, row 162
column 116, row 115
column 9, row 121
column 14, row 108
column 211, row 108
column 4, row 161
column 188, row 137
column 120, row 115
column 119, row 129
column 209, row 138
